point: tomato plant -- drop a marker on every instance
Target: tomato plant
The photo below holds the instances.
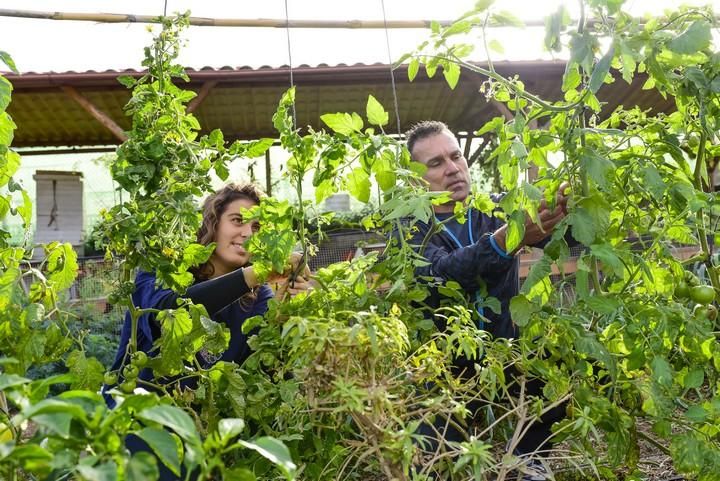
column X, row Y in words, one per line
column 625, row 350
column 344, row 378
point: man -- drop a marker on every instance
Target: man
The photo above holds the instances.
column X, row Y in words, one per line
column 474, row 254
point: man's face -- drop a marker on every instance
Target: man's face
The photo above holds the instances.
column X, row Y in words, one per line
column 447, row 169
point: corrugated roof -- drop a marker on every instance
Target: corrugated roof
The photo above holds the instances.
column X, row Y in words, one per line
column 243, row 99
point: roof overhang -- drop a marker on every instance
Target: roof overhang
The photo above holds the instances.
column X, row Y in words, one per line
column 67, row 109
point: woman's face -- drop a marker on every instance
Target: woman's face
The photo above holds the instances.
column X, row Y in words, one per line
column 230, row 236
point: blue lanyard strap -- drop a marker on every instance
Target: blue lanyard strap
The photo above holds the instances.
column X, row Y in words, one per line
column 478, row 298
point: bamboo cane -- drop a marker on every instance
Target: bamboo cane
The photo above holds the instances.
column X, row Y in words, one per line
column 220, row 22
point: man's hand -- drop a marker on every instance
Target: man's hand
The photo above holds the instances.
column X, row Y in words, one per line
column 548, row 218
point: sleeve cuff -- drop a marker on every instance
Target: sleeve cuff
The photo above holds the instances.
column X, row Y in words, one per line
column 497, row 249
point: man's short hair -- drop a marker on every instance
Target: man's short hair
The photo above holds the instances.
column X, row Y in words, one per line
column 422, row 130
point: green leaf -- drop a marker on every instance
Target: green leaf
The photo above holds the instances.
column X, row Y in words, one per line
column 697, row 37
column 696, row 414
column 87, row 372
column 496, row 46
column 142, row 466
column 11, row 380
column 521, row 309
column 195, row 254
column 31, row 456
column 274, row 451
column 687, row 453
column 605, row 253
column 6, row 89
column 505, row 18
column 376, row 114
column 603, row 304
column 25, row 210
column 461, row 26
column 216, row 334
column 494, row 125
column 694, row 379
column 240, row 474
column 176, row 343
column 228, row 428
column 589, row 218
column 413, row 69
column 55, row 405
column 59, row 423
column 127, row 81
column 589, row 345
column 102, row 472
column 386, row 179
column 662, row 372
column 601, row 70
column 653, row 182
column 571, row 77
column 515, row 230
column 173, row 418
column 539, row 271
column 431, row 67
column 343, row 123
column 358, row 184
column 325, row 189
column 166, row 446
column 532, row 192
column 62, row 266
column 451, row 71
column 553, row 25
column 7, row 60
column 482, row 5
column 258, row 147
column 9, row 163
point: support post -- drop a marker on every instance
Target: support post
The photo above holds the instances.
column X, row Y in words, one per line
column 202, row 94
column 98, row 114
column 268, row 173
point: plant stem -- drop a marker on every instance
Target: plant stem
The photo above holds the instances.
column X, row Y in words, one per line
column 698, row 183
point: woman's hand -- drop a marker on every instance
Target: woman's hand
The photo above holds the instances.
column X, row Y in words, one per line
column 287, row 287
column 291, row 269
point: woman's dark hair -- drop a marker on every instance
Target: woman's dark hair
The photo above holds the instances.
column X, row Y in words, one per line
column 213, row 208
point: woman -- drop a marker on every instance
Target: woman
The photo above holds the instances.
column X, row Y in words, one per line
column 226, row 285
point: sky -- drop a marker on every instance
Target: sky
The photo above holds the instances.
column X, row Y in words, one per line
column 58, row 46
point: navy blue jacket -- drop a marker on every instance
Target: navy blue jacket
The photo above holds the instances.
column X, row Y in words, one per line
column 476, row 260
column 220, row 302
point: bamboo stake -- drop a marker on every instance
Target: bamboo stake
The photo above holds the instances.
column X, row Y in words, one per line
column 253, row 22
column 219, row 22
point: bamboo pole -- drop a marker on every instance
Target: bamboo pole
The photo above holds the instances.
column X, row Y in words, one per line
column 98, row 114
column 219, row 22
column 254, row 22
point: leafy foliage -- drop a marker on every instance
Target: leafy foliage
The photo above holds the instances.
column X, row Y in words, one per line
column 346, row 380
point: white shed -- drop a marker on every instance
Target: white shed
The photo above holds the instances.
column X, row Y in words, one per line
column 59, row 208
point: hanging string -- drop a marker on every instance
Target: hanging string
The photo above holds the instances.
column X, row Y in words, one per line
column 289, row 50
column 392, row 72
